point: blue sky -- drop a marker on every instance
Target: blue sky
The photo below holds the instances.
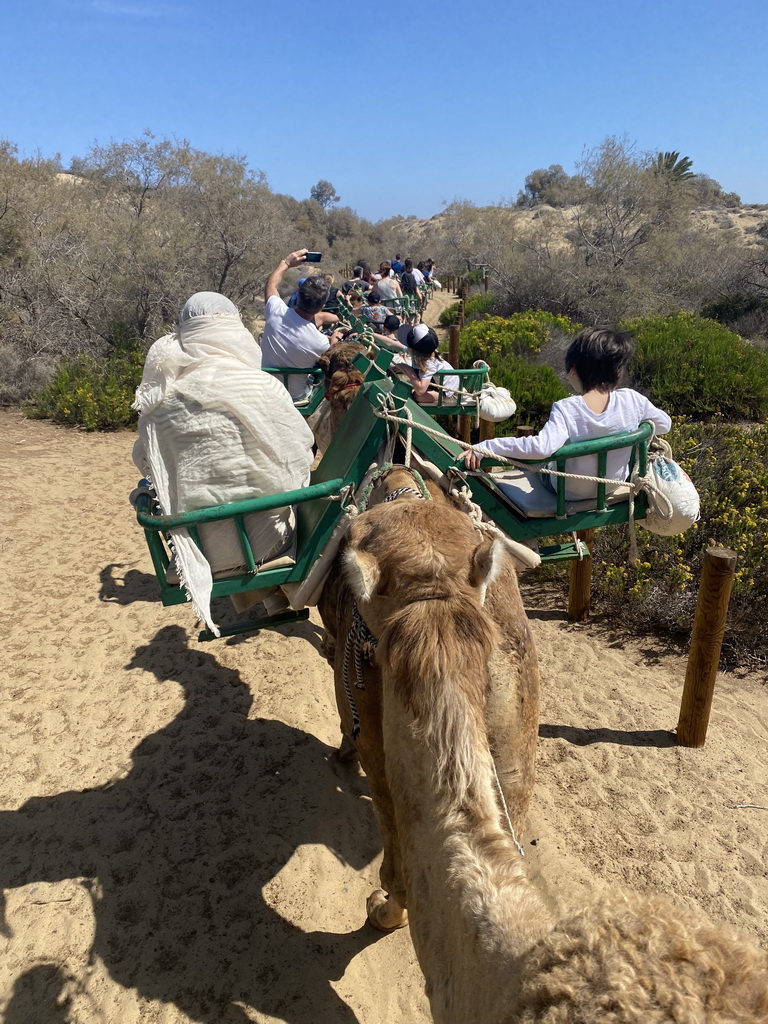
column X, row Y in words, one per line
column 402, row 107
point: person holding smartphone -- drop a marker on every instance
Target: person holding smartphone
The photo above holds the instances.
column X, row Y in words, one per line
column 291, row 336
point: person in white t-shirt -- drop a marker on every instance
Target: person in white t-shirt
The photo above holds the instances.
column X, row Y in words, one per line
column 595, row 362
column 422, row 343
column 291, row 336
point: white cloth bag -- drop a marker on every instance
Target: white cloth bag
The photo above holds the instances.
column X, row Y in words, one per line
column 673, row 501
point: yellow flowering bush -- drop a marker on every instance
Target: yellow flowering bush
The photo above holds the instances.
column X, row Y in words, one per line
column 729, row 466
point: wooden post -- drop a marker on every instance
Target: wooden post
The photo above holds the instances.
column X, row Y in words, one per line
column 524, row 431
column 487, row 430
column 453, row 344
column 485, row 283
column 580, row 592
column 706, row 642
column 466, row 428
column 460, row 314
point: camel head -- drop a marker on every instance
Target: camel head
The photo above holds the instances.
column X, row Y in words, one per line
column 342, row 378
column 418, row 570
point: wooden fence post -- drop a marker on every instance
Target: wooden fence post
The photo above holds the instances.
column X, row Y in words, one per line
column 706, row 642
column 487, row 430
column 580, row 590
column 485, row 283
column 453, row 344
column 460, row 314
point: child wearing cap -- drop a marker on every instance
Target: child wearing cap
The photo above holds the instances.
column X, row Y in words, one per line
column 422, row 342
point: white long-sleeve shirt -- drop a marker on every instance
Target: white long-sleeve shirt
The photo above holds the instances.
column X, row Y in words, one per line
column 572, row 420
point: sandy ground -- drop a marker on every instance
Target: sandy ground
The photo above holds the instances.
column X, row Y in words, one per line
column 177, row 843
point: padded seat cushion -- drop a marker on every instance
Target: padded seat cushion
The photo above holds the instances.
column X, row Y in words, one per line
column 529, row 495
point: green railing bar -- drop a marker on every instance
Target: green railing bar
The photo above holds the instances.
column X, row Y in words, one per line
column 245, row 544
column 241, row 508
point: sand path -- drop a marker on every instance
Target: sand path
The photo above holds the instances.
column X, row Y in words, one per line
column 178, row 845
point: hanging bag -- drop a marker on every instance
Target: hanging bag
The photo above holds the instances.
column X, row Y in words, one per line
column 494, row 404
column 673, row 501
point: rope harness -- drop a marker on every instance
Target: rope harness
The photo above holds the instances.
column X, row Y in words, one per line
column 360, row 643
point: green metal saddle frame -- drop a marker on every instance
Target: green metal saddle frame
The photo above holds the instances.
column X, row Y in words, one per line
column 443, row 452
column 341, row 470
column 470, row 381
column 318, row 509
column 314, row 397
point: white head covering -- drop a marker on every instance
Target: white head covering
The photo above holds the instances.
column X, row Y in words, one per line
column 214, row 362
column 207, row 304
column 209, row 332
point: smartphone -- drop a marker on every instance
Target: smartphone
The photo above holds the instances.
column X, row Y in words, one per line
column 313, row 257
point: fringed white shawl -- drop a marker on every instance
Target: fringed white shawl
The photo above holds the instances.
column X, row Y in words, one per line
column 213, row 429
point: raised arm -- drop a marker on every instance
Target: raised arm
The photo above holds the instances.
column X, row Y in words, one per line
column 391, row 343
column 294, row 259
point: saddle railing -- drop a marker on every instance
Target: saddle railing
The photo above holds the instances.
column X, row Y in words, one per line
column 313, row 393
column 555, row 513
column 318, row 508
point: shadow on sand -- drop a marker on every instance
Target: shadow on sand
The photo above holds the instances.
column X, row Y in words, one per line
column 181, row 848
column 627, row 738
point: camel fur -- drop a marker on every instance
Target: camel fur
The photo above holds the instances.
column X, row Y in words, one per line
column 485, row 939
column 342, row 382
column 447, row 561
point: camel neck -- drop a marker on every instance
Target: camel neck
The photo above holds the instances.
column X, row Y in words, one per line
column 456, row 853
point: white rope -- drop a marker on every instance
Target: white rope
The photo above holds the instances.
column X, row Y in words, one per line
column 503, row 803
column 408, row 438
column 582, row 548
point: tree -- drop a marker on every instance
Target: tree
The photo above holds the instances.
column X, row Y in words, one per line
column 674, row 165
column 708, row 192
column 550, row 185
column 324, row 193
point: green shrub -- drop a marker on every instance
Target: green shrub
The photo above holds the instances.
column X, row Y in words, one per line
column 521, row 334
column 93, row 393
column 729, row 465
column 730, row 308
column 448, row 315
column 533, row 386
column 475, row 308
column 510, row 345
column 695, row 367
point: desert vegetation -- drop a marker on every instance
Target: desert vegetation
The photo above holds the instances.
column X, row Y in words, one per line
column 96, row 259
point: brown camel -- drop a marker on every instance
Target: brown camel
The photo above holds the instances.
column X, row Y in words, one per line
column 483, row 935
column 342, row 382
column 449, row 564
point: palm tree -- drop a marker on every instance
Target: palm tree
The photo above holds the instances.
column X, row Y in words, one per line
column 673, row 165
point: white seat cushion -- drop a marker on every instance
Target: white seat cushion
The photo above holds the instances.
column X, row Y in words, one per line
column 529, row 495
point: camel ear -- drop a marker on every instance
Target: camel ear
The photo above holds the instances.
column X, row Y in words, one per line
column 362, row 572
column 486, row 563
